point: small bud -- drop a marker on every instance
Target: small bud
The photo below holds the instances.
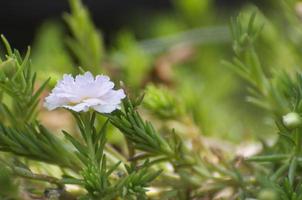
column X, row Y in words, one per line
column 267, row 194
column 292, row 120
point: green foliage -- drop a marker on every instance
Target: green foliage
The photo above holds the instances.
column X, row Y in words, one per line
column 97, row 176
column 18, row 82
column 49, row 45
column 86, row 42
column 280, row 95
column 142, row 134
column 145, row 142
column 134, row 61
column 264, row 91
column 165, row 156
column 9, row 188
column 162, row 102
column 36, row 142
column 193, row 10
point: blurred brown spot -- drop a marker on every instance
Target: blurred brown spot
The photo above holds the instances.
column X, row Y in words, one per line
column 163, row 71
column 57, row 120
column 298, row 9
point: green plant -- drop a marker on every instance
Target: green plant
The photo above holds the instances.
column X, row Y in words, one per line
column 163, row 150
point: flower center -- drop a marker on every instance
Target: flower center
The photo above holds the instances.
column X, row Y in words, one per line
column 73, row 103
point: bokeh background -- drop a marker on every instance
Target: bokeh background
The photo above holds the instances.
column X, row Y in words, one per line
column 20, row 20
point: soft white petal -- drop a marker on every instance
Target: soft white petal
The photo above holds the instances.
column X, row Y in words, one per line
column 102, row 78
column 105, row 108
column 114, row 96
column 67, row 79
column 84, row 79
column 52, row 102
column 79, row 107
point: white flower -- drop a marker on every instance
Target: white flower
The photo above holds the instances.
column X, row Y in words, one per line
column 85, row 92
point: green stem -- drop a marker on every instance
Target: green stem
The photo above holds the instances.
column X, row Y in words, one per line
column 131, row 149
column 114, row 154
column 298, row 141
column 40, row 177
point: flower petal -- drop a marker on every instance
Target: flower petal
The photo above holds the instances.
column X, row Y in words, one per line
column 85, row 92
column 105, row 108
column 114, row 96
column 84, row 79
column 78, row 107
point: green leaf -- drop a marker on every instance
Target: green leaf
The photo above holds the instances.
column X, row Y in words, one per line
column 268, row 158
column 292, row 171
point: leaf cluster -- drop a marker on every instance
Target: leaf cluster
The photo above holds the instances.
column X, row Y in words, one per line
column 37, row 143
column 18, row 82
column 99, row 177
